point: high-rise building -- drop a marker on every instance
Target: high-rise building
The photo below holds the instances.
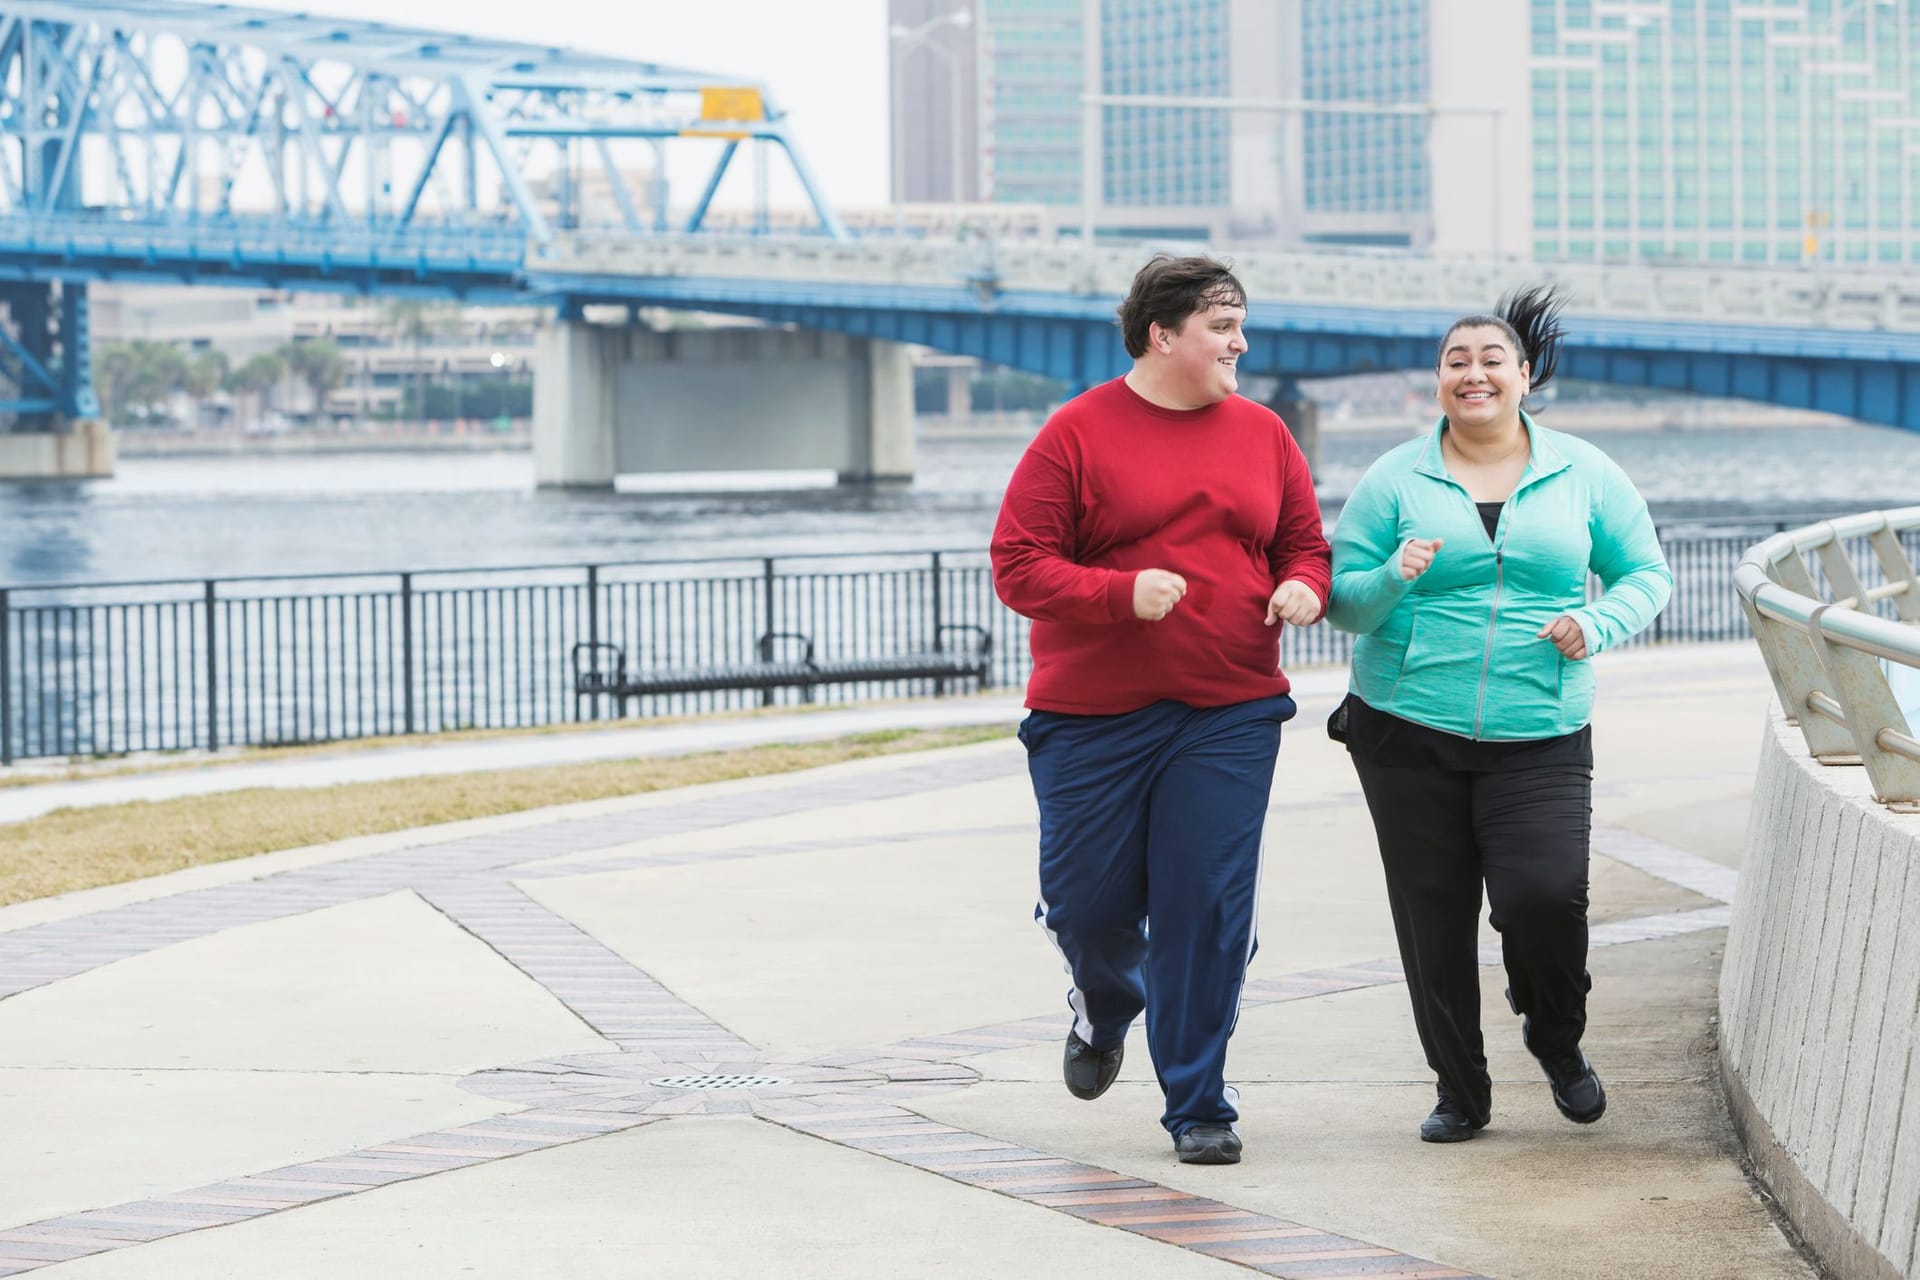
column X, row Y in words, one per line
column 934, row 76
column 1721, row 130
column 1745, row 132
column 1410, row 125
column 1032, row 66
column 1156, row 156
column 1159, row 170
column 1365, row 175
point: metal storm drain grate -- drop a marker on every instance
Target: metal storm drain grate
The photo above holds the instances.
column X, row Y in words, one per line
column 716, row 1082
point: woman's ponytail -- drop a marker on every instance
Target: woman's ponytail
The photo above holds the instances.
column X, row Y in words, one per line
column 1533, row 314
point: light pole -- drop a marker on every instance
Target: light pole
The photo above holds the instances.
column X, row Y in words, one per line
column 905, row 41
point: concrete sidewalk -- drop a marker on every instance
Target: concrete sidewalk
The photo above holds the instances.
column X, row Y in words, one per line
column 627, row 741
column 468, row 1051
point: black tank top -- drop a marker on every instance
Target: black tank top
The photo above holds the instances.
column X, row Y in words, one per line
column 1490, row 516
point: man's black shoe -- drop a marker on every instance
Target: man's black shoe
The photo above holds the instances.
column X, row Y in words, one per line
column 1576, row 1089
column 1089, row 1070
column 1449, row 1122
column 1208, row 1144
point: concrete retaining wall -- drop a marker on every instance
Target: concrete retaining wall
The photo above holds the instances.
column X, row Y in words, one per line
column 1819, row 1003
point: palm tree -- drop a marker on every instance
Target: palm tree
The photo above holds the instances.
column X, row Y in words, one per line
column 205, row 375
column 138, row 375
column 257, row 377
column 318, row 363
column 416, row 321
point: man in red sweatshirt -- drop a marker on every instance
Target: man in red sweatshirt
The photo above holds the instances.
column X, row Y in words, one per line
column 1159, row 531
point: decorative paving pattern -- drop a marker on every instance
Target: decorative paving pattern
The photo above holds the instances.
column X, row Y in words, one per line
column 856, row 1098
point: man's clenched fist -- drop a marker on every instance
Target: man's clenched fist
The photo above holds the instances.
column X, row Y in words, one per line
column 1294, row 603
column 1155, row 592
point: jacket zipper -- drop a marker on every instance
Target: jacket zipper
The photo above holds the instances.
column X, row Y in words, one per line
column 1493, row 618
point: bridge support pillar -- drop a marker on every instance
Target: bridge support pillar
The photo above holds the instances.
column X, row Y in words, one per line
column 573, row 409
column 1302, row 417
column 959, row 391
column 85, row 451
column 623, row 400
column 57, row 431
column 884, row 441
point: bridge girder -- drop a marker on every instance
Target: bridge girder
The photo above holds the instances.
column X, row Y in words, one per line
column 1079, row 345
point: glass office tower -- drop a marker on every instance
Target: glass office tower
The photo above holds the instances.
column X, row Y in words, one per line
column 1370, row 171
column 1170, row 170
column 1709, row 129
column 1161, row 157
column 1032, row 68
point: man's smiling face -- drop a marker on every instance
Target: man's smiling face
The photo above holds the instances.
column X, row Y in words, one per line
column 1203, row 354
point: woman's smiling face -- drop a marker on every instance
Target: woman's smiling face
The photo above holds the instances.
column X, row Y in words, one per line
column 1482, row 379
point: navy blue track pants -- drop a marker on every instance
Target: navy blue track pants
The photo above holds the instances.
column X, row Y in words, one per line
column 1149, row 876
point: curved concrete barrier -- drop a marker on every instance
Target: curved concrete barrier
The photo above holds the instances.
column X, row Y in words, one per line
column 1819, row 1009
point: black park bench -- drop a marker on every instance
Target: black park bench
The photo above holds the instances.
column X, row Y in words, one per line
column 785, row 660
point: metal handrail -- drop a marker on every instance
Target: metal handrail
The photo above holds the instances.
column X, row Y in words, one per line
column 1825, row 654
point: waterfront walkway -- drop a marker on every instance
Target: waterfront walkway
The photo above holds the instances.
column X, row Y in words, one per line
column 453, row 1052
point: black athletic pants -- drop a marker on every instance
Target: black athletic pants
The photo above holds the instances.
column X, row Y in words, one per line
column 1523, row 833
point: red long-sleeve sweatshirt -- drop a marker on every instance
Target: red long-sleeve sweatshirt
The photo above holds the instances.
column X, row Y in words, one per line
column 1113, row 485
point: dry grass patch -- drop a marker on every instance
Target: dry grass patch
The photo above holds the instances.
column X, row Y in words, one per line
column 85, row 848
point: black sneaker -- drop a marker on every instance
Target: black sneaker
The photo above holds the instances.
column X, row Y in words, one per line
column 1208, row 1144
column 1450, row 1122
column 1576, row 1089
column 1088, row 1070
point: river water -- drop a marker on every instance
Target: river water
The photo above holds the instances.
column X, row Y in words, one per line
column 196, row 517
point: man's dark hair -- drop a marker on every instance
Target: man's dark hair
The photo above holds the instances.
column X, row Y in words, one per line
column 1168, row 290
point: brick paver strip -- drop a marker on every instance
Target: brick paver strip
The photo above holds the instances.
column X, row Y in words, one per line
column 1222, row 1234
column 42, row 1235
column 23, row 1251
column 1219, row 1214
column 219, row 1204
column 1074, row 1199
column 1111, row 1198
column 1020, row 1189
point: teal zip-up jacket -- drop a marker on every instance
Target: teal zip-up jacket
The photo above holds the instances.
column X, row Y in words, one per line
column 1457, row 648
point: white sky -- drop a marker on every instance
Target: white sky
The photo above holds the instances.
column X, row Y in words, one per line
column 823, row 60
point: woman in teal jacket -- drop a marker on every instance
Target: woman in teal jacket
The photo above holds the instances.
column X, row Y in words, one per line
column 1461, row 563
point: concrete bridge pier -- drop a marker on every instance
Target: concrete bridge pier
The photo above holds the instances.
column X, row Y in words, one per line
column 1302, row 417
column 57, row 433
column 85, row 451
column 626, row 400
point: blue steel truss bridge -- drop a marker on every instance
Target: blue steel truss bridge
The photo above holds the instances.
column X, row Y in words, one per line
column 216, row 144
column 225, row 144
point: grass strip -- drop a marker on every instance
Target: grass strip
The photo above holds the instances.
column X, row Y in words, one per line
column 73, row 849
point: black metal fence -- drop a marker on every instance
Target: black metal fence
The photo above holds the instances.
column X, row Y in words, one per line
column 115, row 668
